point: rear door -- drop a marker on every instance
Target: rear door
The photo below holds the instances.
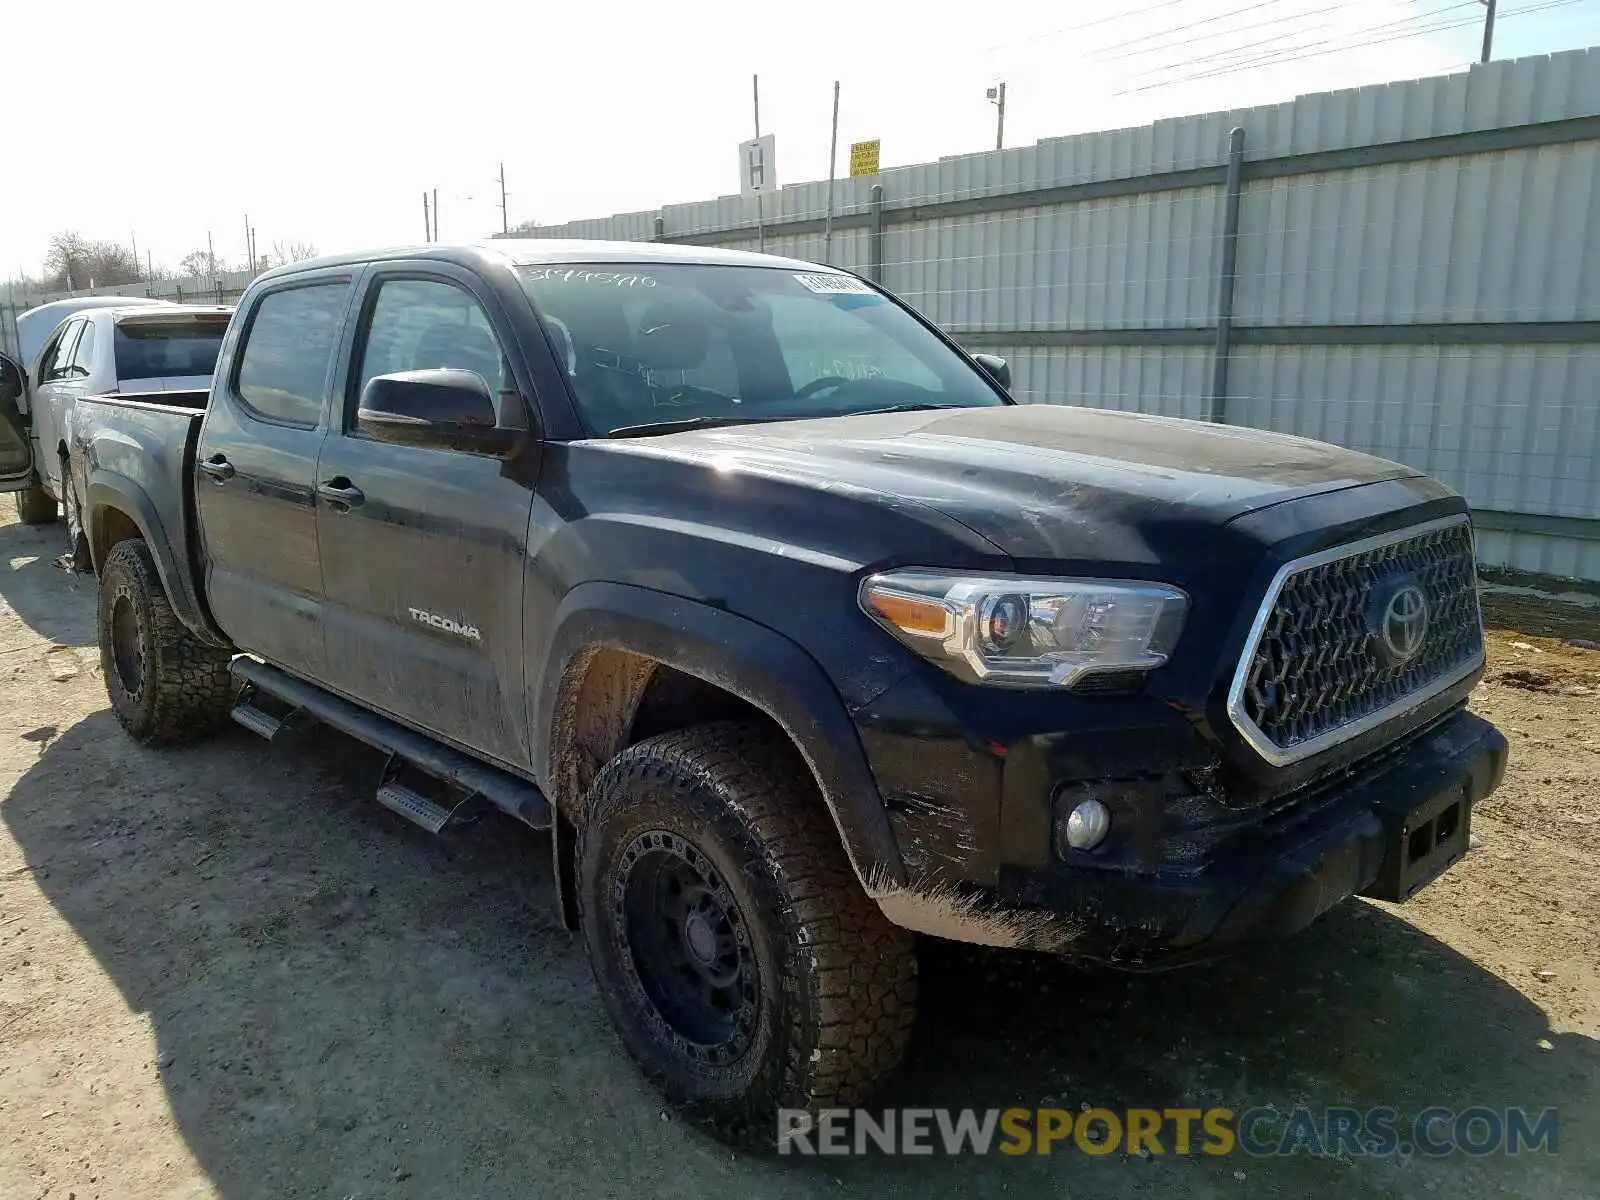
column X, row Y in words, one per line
column 256, row 471
column 16, row 455
column 60, row 379
column 423, row 549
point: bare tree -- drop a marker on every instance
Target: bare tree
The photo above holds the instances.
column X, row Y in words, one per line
column 288, row 252
column 66, row 262
column 202, row 264
column 75, row 261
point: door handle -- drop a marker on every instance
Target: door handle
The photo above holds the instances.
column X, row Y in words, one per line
column 340, row 493
column 218, row 467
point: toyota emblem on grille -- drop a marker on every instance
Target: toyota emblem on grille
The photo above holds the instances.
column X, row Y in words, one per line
column 1399, row 621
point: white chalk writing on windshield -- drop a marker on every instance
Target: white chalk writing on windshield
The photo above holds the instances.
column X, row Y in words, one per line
column 576, row 275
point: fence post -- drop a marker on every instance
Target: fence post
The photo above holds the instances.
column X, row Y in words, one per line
column 1225, row 278
column 875, row 235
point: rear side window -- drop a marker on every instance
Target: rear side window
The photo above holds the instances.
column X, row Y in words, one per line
column 168, row 349
column 53, row 365
column 283, row 371
column 83, row 356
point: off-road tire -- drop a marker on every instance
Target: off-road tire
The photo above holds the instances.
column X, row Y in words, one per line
column 35, row 507
column 836, row 992
column 182, row 691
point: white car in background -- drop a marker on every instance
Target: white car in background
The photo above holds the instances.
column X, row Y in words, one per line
column 156, row 351
column 35, row 326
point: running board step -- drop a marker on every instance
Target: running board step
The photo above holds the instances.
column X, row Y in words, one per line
column 505, row 791
column 414, row 807
column 257, row 720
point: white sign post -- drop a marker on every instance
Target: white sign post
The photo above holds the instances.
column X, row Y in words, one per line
column 757, row 166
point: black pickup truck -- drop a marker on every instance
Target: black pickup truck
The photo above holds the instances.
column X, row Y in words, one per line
column 797, row 634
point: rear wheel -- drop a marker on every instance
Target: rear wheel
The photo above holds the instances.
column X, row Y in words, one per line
column 35, row 506
column 740, row 960
column 165, row 684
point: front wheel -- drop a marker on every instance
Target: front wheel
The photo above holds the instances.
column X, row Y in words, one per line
column 740, row 960
column 165, row 684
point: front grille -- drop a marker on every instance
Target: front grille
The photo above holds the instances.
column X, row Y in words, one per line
column 1318, row 668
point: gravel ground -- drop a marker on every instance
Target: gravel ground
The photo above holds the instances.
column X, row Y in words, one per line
column 225, row 971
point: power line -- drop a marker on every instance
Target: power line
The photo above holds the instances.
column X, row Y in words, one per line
column 1238, row 52
column 1065, row 29
column 1206, row 37
column 1334, row 46
column 1099, row 55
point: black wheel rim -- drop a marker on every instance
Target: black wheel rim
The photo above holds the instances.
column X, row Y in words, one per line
column 127, row 647
column 684, row 934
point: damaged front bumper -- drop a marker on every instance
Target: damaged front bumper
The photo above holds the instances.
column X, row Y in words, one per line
column 1221, row 876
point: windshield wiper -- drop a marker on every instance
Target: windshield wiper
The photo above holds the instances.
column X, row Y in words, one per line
column 686, row 423
column 894, row 408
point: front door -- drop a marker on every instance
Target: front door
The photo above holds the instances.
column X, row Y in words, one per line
column 256, row 469
column 423, row 549
column 16, row 455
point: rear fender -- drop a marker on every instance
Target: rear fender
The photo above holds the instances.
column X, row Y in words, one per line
column 110, row 493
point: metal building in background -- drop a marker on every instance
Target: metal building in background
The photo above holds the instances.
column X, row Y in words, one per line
column 1416, row 273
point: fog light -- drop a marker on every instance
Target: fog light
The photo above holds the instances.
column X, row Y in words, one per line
column 1088, row 824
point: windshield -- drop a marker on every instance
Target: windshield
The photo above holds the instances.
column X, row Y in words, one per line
column 671, row 344
column 168, row 348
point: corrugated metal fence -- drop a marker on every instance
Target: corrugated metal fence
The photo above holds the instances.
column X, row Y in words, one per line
column 1416, row 274
column 223, row 288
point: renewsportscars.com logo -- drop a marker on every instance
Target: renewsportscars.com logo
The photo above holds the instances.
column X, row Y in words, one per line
column 1260, row 1132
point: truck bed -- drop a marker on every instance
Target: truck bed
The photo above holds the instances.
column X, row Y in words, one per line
column 139, row 449
column 193, row 399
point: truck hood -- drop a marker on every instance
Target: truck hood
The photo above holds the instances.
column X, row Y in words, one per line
column 1044, row 482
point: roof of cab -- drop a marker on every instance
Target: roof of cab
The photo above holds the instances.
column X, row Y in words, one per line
column 523, row 252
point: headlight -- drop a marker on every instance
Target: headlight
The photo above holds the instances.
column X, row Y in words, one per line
column 1027, row 632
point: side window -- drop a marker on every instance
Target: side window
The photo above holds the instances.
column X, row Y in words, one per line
column 53, row 365
column 83, row 357
column 420, row 324
column 283, row 369
column 821, row 341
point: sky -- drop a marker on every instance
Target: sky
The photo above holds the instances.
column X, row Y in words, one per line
column 325, row 121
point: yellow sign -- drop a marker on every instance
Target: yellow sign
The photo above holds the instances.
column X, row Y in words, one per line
column 864, row 158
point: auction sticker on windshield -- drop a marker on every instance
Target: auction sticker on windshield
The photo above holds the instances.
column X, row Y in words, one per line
column 825, row 285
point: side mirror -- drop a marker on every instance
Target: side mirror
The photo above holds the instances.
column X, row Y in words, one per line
column 442, row 408
column 998, row 368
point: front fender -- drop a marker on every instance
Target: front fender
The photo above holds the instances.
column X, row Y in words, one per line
column 758, row 665
column 107, row 492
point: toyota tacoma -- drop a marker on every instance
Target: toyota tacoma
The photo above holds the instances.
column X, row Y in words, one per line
column 798, row 635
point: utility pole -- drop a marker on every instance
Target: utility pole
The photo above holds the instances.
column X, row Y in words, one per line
column 249, row 249
column 211, row 254
column 833, row 151
column 997, row 97
column 505, row 221
column 134, row 238
column 427, row 220
column 761, row 227
column 1488, row 30
column 436, row 214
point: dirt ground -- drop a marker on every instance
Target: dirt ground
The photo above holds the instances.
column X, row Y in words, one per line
column 225, row 971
